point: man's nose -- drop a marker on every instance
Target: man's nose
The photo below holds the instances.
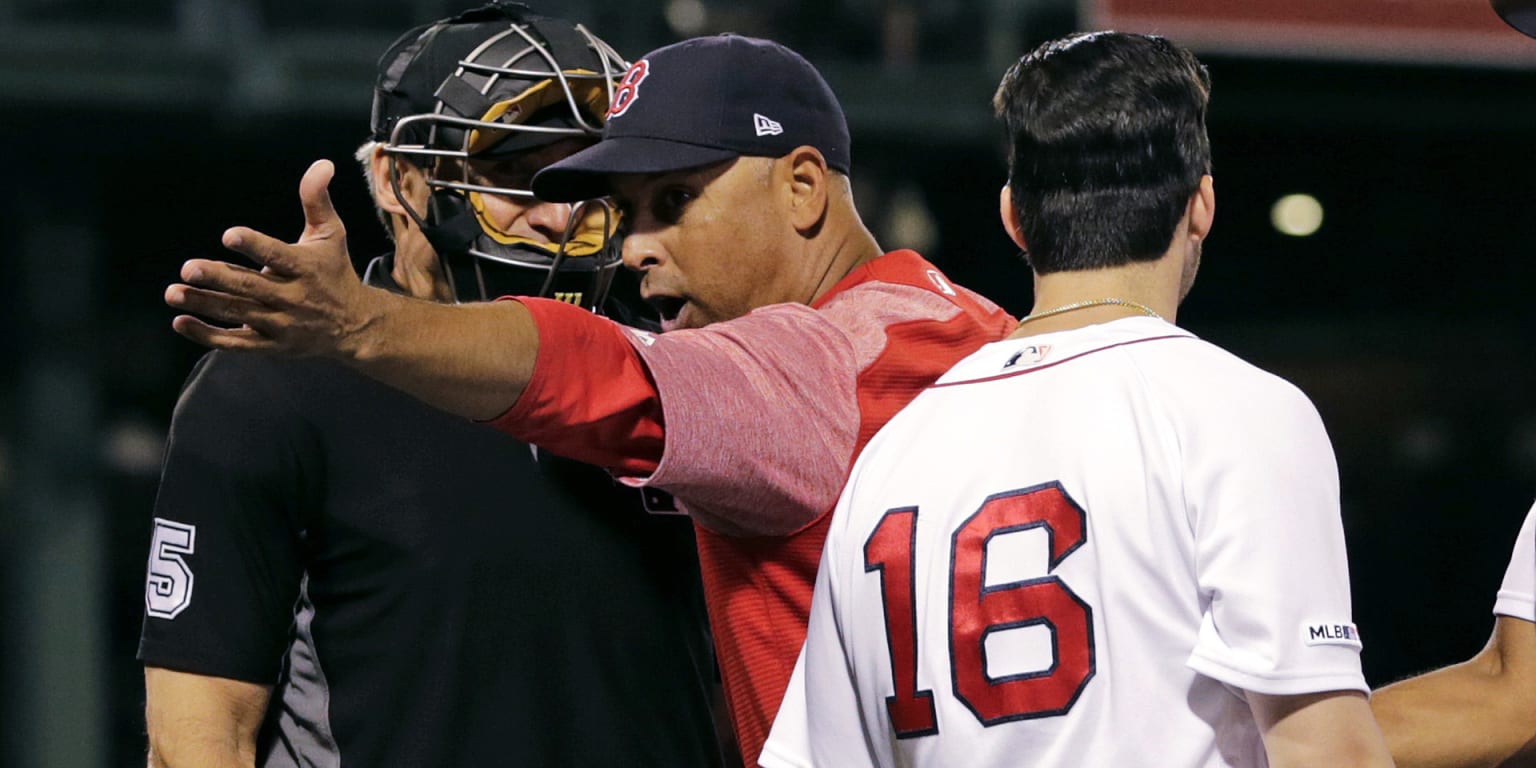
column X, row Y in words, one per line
column 533, row 219
column 549, row 219
column 642, row 251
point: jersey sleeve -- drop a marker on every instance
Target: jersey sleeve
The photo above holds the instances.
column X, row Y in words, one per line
column 751, row 421
column 1517, row 595
column 225, row 564
column 591, row 398
column 1263, row 493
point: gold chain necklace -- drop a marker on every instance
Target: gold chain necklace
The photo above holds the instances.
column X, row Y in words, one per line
column 1144, row 309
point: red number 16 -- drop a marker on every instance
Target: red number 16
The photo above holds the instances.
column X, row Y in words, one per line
column 977, row 610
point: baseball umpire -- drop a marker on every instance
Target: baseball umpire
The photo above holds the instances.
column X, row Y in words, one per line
column 342, row 575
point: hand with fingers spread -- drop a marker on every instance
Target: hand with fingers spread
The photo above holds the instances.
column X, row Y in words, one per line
column 305, row 300
column 472, row 360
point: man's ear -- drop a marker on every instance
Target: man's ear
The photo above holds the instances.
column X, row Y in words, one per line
column 411, row 182
column 1202, row 208
column 1010, row 216
column 809, row 180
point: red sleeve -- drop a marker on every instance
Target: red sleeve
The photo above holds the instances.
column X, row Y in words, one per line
column 590, row 398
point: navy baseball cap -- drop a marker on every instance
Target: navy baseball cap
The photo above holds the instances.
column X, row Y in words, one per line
column 703, row 101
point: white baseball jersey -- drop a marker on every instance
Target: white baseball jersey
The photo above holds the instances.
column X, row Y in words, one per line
column 1517, row 596
column 1076, row 549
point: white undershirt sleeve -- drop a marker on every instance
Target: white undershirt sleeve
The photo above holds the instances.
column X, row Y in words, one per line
column 1517, row 595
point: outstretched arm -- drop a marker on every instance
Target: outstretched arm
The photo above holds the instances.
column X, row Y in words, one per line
column 473, row 359
column 1480, row 712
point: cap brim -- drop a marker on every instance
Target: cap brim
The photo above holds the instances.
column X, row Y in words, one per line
column 585, row 175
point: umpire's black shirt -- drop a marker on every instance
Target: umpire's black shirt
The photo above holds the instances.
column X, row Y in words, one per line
column 420, row 590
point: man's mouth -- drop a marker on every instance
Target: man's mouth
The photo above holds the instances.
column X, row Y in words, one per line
column 667, row 307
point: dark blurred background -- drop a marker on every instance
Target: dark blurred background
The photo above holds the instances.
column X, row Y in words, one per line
column 1374, row 244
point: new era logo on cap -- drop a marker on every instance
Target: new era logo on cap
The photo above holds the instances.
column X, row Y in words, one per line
column 765, row 126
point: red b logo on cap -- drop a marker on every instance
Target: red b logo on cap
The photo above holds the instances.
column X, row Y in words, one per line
column 629, row 88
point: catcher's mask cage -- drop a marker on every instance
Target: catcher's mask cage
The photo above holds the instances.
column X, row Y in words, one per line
column 534, row 82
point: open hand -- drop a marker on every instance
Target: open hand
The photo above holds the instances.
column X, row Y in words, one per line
column 305, row 300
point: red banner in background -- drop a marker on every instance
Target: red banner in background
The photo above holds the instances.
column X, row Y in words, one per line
column 1400, row 30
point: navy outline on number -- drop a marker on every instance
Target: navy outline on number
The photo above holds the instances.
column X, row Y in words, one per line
column 1054, row 561
column 890, row 651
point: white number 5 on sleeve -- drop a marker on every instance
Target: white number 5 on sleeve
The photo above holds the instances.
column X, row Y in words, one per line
column 168, row 589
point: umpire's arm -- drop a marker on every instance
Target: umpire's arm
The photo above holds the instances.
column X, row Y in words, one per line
column 473, row 360
column 201, row 722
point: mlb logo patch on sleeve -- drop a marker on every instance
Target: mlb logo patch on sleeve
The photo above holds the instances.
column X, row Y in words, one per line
column 1331, row 633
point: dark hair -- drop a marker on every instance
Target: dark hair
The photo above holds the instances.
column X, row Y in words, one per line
column 1107, row 143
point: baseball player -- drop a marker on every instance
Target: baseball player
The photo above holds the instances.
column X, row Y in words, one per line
column 342, row 575
column 1481, row 712
column 1101, row 542
column 793, row 336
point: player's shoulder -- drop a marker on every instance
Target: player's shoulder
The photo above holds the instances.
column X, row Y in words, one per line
column 1213, row 371
column 902, row 294
column 1207, row 384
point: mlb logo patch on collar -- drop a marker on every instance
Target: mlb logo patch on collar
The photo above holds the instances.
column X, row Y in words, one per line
column 1033, row 354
